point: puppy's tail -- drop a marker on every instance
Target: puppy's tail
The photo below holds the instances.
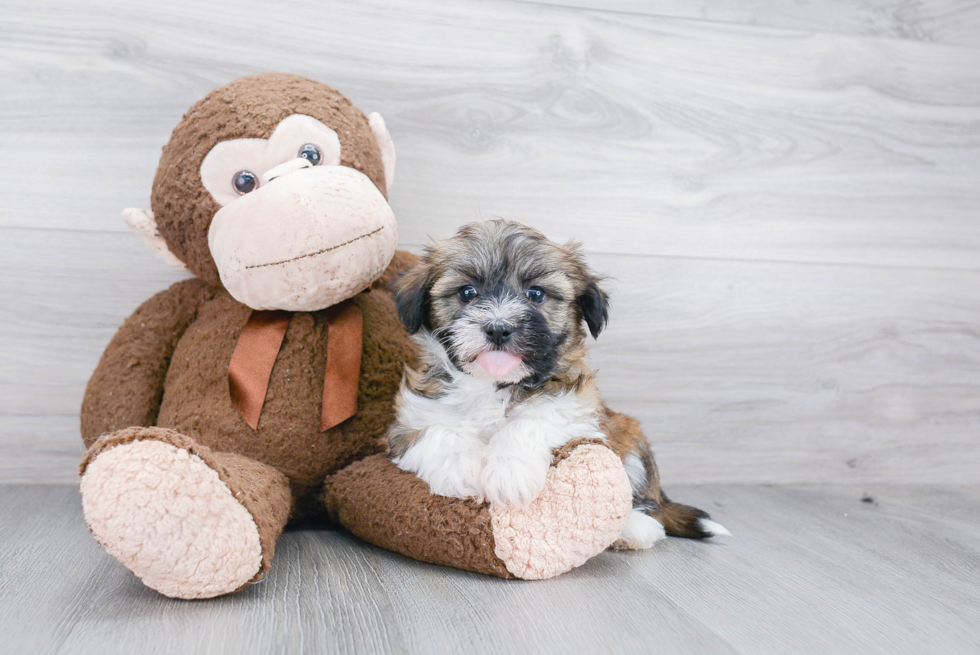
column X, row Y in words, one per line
column 686, row 521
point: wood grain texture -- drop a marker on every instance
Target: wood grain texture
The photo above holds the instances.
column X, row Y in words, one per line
column 953, row 22
column 747, row 372
column 642, row 135
column 809, row 570
column 790, row 214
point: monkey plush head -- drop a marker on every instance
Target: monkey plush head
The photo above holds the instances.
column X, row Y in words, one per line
column 275, row 186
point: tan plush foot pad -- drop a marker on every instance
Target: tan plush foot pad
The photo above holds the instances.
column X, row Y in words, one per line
column 167, row 516
column 583, row 509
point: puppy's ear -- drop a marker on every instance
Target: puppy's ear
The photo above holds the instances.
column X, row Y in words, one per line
column 594, row 303
column 412, row 298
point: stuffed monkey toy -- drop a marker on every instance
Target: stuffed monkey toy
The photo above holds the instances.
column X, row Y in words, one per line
column 259, row 391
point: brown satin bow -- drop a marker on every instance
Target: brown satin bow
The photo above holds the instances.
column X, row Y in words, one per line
column 258, row 346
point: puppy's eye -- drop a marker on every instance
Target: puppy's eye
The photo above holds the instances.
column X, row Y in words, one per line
column 310, row 153
column 467, row 293
column 535, row 295
column 245, row 182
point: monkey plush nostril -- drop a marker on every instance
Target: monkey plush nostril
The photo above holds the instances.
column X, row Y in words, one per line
column 286, row 167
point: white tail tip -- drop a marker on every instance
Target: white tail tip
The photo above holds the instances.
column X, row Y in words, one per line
column 714, row 529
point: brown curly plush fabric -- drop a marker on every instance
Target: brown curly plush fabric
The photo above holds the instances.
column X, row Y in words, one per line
column 249, row 108
column 127, row 385
column 195, row 399
column 456, row 533
column 583, row 508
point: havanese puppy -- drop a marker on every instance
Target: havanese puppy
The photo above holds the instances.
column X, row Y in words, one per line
column 498, row 311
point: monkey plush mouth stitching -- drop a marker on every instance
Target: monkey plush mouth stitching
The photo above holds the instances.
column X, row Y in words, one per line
column 319, row 252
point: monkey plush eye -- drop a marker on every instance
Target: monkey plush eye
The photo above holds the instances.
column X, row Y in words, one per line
column 311, row 153
column 467, row 293
column 245, row 182
column 535, row 295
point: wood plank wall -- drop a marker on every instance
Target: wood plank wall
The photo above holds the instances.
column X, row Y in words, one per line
column 786, row 195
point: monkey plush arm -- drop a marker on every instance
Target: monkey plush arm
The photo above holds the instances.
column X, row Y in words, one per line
column 127, row 386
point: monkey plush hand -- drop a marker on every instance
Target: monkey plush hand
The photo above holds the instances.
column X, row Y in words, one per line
column 259, row 391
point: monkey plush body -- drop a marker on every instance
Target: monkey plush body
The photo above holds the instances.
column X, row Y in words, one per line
column 192, row 316
column 260, row 390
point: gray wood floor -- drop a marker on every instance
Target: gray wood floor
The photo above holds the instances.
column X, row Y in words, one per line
column 786, row 193
column 809, row 570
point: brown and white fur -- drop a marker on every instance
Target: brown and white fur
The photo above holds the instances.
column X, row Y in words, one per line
column 473, row 427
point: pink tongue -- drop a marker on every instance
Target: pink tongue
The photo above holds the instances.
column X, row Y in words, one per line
column 498, row 363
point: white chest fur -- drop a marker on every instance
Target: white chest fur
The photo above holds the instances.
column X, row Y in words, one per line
column 475, row 442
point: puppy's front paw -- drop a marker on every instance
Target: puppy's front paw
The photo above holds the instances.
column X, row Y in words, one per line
column 511, row 480
column 459, row 476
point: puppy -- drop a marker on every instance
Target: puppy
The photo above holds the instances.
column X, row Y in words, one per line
column 498, row 311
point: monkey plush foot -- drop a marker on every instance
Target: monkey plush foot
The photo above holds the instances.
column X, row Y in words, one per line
column 173, row 512
column 581, row 511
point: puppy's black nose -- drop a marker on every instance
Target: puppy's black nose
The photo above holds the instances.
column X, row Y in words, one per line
column 497, row 333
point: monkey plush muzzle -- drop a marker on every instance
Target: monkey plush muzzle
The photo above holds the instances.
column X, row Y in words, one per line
column 306, row 239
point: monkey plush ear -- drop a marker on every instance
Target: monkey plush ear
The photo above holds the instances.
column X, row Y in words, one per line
column 386, row 144
column 594, row 303
column 412, row 299
column 142, row 222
